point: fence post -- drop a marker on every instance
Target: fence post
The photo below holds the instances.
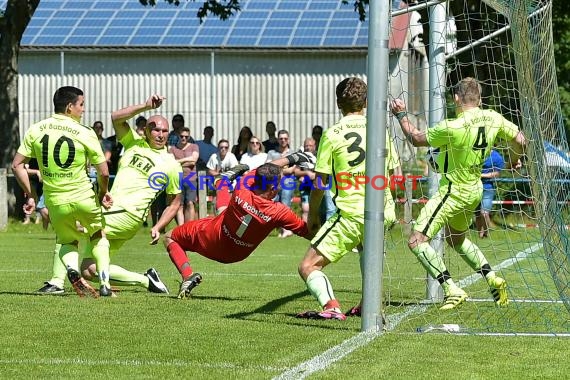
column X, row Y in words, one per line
column 202, row 196
column 3, row 199
column 408, row 205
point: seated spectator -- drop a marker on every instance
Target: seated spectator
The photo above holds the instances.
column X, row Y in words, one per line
column 221, row 161
column 186, row 155
column 255, row 157
column 271, row 143
column 240, row 148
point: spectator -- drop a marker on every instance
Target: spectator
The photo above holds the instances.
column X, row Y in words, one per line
column 316, row 134
column 106, row 146
column 177, row 125
column 240, row 148
column 221, row 161
column 206, row 148
column 306, row 175
column 492, row 167
column 285, row 194
column 255, row 157
column 271, row 143
column 35, row 177
column 140, row 124
column 187, row 155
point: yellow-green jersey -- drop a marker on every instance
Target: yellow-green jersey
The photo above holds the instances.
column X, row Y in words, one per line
column 62, row 147
column 142, row 174
column 342, row 156
column 465, row 142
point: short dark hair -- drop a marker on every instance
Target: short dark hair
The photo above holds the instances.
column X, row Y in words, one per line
column 64, row 96
column 351, row 95
column 139, row 120
column 223, row 141
column 98, row 124
column 469, row 91
column 185, row 129
column 178, row 117
column 267, row 177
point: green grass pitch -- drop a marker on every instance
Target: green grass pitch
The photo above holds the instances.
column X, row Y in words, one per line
column 240, row 322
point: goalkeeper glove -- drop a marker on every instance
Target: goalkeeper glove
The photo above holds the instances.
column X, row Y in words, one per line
column 299, row 158
column 233, row 173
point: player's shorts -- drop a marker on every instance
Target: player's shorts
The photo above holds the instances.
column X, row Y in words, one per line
column 63, row 218
column 120, row 227
column 452, row 206
column 338, row 236
column 189, row 194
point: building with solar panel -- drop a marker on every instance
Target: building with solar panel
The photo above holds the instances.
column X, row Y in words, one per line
column 276, row 60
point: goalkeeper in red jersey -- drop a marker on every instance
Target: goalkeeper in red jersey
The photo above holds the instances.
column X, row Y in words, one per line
column 235, row 233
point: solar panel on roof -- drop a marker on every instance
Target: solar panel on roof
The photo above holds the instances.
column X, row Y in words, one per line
column 241, row 41
column 256, row 23
column 281, row 23
column 292, row 5
column 338, row 41
column 81, row 40
column 122, row 21
column 259, row 5
column 212, row 32
column 123, row 32
column 93, row 22
column 245, row 32
column 273, row 41
column 145, row 40
column 309, row 32
column 314, row 23
column 262, row 23
column 302, row 41
column 113, row 41
column 86, row 32
column 321, row 5
column 209, row 40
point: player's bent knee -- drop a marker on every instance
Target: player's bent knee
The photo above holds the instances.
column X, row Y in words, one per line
column 88, row 269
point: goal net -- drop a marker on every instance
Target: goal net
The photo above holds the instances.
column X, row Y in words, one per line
column 507, row 45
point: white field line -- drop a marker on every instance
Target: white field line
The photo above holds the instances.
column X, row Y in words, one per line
column 338, row 352
column 132, row 363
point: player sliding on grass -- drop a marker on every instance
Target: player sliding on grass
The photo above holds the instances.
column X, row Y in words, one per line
column 463, row 145
column 341, row 150
column 234, row 234
column 145, row 162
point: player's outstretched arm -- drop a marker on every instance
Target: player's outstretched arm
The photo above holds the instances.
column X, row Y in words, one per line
column 233, row 173
column 296, row 158
column 414, row 135
column 120, row 117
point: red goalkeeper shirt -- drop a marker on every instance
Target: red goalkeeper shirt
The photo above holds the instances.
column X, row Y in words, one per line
column 235, row 233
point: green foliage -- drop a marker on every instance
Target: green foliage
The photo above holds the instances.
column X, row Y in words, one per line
column 223, row 10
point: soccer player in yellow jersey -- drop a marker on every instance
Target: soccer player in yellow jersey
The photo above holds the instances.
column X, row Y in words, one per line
column 341, row 155
column 145, row 170
column 464, row 143
column 62, row 146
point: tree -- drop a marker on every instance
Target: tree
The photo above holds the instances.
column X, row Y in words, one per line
column 13, row 23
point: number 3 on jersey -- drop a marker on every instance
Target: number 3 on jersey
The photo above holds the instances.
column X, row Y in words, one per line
column 57, row 151
column 355, row 147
